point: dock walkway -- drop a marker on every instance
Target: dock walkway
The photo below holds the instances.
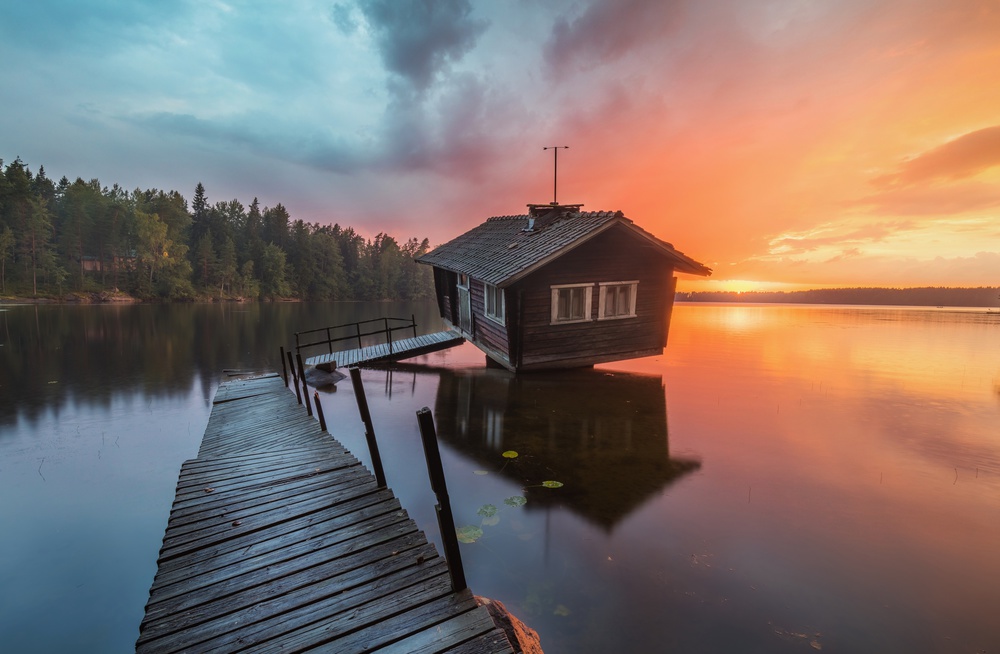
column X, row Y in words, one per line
column 401, row 349
column 280, row 540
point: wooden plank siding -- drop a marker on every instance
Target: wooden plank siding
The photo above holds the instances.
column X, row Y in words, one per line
column 616, row 256
column 280, row 541
column 490, row 335
column 444, row 287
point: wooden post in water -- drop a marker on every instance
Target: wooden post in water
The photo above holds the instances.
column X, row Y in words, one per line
column 366, row 417
column 284, row 368
column 295, row 377
column 305, row 387
column 446, row 522
column 319, row 411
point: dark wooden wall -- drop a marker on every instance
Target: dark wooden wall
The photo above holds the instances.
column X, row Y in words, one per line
column 445, row 292
column 489, row 335
column 615, row 255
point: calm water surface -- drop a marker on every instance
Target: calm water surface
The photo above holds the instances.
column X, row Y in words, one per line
column 784, row 479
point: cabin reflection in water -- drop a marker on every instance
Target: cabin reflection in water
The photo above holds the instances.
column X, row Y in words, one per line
column 603, row 435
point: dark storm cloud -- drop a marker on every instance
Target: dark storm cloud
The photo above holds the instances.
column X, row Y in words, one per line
column 964, row 156
column 418, row 39
column 604, row 32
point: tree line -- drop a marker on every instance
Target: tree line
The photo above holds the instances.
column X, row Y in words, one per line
column 63, row 237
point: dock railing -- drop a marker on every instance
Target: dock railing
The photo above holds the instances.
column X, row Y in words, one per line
column 364, row 328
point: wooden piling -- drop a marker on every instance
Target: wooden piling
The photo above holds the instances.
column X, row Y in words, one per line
column 446, row 521
column 295, row 377
column 366, row 418
column 319, row 411
column 305, row 387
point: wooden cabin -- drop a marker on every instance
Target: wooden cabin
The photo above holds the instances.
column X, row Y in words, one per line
column 559, row 287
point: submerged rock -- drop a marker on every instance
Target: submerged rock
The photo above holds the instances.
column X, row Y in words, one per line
column 321, row 379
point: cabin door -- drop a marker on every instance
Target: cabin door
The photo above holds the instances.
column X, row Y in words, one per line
column 464, row 305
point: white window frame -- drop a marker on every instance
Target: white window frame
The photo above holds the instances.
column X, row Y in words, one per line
column 498, row 298
column 633, row 291
column 463, row 280
column 587, row 303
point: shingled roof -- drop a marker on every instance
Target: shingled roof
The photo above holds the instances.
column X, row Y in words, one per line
column 503, row 249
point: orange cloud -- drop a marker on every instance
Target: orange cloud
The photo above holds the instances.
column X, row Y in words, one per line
column 964, row 156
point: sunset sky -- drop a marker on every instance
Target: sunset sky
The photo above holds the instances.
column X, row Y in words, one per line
column 786, row 143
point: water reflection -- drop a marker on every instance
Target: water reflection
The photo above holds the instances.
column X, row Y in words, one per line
column 603, row 435
column 52, row 356
column 849, row 492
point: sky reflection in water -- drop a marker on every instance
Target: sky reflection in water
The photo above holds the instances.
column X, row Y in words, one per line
column 811, row 477
column 783, row 479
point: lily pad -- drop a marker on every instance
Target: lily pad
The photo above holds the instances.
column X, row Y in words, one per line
column 510, row 454
column 492, row 521
column 516, row 500
column 552, row 484
column 469, row 534
column 487, row 510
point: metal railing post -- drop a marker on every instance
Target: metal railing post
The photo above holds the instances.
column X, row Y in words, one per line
column 357, row 328
column 388, row 335
column 295, row 377
column 413, row 322
column 446, row 522
column 366, row 418
column 284, row 368
column 305, row 387
column 329, row 341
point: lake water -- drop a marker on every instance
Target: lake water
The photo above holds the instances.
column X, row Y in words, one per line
column 783, row 479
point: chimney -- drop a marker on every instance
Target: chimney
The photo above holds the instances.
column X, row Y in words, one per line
column 541, row 215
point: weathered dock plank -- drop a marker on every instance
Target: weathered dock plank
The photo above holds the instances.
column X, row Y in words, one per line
column 280, row 540
column 402, row 349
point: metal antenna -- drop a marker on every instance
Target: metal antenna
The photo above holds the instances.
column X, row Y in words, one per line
column 555, row 173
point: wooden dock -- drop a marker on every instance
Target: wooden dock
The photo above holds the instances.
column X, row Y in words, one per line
column 401, row 349
column 279, row 540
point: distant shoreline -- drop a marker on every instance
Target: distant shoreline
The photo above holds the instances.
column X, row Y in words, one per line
column 986, row 297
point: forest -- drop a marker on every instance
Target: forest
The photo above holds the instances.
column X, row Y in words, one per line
column 928, row 296
column 70, row 240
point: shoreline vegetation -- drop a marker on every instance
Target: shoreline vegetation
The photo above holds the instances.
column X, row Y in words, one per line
column 82, row 241
column 927, row 296
column 980, row 297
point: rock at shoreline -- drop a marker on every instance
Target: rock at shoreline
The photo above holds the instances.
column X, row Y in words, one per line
column 321, row 379
column 522, row 638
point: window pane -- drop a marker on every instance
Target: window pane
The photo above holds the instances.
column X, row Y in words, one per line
column 576, row 303
column 623, row 301
column 562, row 312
